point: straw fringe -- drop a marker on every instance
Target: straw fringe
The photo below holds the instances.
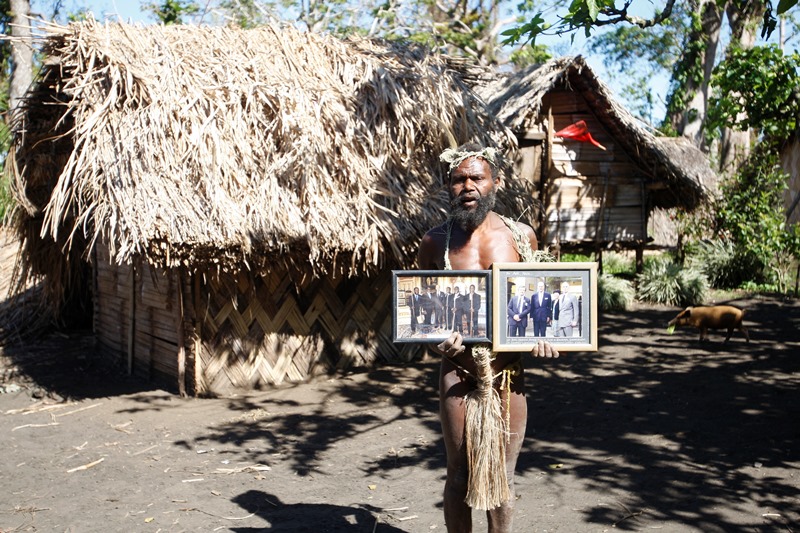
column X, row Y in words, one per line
column 191, row 145
column 486, row 436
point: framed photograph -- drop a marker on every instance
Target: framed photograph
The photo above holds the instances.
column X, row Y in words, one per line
column 427, row 305
column 555, row 301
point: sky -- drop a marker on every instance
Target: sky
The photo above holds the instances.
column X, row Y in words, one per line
column 125, row 10
column 131, row 11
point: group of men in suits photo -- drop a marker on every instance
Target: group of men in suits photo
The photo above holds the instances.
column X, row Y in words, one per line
column 449, row 310
column 559, row 311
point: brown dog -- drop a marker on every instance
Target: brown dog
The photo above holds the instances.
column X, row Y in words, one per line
column 711, row 317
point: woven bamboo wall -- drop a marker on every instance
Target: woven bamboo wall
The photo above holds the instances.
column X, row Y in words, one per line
column 240, row 331
column 256, row 331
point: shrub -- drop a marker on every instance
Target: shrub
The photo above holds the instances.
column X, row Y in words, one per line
column 615, row 263
column 666, row 282
column 725, row 266
column 613, row 293
column 575, row 258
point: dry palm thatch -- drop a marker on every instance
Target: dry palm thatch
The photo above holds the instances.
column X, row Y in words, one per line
column 683, row 169
column 223, row 148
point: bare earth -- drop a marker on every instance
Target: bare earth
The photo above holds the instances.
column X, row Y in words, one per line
column 652, row 432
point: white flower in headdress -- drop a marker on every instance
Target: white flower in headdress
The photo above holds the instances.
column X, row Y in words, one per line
column 454, row 158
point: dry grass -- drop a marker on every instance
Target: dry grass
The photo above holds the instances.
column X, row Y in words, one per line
column 268, row 148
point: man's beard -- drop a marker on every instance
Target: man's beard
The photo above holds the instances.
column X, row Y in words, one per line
column 471, row 219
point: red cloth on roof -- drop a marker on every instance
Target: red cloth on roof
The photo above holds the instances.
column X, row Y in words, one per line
column 578, row 132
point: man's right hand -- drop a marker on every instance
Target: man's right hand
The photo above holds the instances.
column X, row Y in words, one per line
column 452, row 346
column 544, row 349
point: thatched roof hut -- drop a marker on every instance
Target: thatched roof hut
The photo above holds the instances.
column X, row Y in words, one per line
column 239, row 194
column 592, row 196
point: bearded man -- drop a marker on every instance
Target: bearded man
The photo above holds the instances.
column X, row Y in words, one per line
column 473, row 238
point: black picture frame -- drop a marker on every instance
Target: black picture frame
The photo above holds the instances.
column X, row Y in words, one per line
column 430, row 327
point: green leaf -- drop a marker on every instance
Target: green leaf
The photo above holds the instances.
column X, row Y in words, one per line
column 785, row 5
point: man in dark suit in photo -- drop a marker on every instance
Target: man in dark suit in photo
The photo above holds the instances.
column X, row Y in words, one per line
column 517, row 312
column 473, row 309
column 439, row 305
column 541, row 302
column 449, row 306
column 414, row 303
column 430, row 303
column 460, row 301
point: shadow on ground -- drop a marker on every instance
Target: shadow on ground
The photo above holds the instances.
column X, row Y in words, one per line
column 689, row 428
column 683, row 431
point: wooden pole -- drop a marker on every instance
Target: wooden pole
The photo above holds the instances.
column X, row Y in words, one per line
column 181, row 334
column 131, row 317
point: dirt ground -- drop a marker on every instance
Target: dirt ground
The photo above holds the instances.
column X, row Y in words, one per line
column 652, row 432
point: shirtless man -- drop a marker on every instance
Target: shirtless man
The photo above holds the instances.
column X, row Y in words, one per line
column 476, row 238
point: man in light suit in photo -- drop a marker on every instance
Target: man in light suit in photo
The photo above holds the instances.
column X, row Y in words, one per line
column 567, row 312
column 517, row 312
column 541, row 303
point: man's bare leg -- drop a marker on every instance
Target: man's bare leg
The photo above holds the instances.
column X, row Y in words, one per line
column 452, row 390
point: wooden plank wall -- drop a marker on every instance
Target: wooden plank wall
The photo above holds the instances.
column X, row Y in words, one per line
column 592, row 194
column 112, row 317
column 151, row 303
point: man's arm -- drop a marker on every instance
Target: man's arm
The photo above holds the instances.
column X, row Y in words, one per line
column 431, row 250
column 530, row 234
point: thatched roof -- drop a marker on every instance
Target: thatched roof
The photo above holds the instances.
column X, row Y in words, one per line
column 516, row 100
column 271, row 147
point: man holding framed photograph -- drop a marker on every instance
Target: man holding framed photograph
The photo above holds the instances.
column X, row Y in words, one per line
column 482, row 395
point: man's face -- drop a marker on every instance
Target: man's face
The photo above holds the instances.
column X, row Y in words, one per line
column 471, row 289
column 416, row 290
column 540, row 286
column 448, row 290
column 564, row 288
column 472, row 192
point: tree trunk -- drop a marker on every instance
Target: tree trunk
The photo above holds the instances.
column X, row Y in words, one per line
column 694, row 68
column 744, row 19
column 21, row 54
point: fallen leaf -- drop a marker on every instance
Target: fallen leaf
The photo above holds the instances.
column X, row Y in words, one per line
column 372, row 487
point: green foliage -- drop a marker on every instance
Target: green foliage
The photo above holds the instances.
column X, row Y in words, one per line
column 533, row 54
column 588, row 15
column 614, row 263
column 751, row 214
column 625, row 46
column 725, row 265
column 613, row 293
column 172, row 11
column 664, row 281
column 689, row 71
column 575, row 258
column 756, row 88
